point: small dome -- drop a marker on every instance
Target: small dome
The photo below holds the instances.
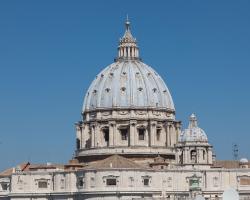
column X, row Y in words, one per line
column 243, row 160
column 128, row 84
column 193, row 133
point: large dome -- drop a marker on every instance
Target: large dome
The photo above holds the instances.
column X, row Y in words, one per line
column 128, row 84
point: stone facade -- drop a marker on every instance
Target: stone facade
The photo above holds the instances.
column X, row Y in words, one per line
column 130, row 146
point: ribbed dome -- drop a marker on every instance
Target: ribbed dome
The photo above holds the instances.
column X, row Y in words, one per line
column 128, row 83
column 193, row 133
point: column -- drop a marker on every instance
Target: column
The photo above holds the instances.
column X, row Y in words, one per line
column 165, row 126
column 186, row 155
column 178, row 126
column 210, row 155
column 85, row 135
column 78, row 131
column 171, row 135
column 82, row 140
column 132, row 132
column 124, row 54
column 168, row 135
column 115, row 133
column 152, row 133
column 147, row 137
column 92, row 136
column 111, row 133
column 97, row 136
column 128, row 51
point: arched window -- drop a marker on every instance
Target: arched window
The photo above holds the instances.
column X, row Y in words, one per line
column 124, row 133
column 77, row 143
column 141, row 133
column 204, row 154
column 158, row 134
column 105, row 131
column 193, row 156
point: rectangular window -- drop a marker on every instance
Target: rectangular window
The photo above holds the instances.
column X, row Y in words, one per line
column 124, row 134
column 42, row 184
column 141, row 134
column 216, row 181
column 111, row 182
column 146, row 181
column 4, row 186
column 245, row 181
column 158, row 134
column 106, row 134
column 80, row 182
column 92, row 182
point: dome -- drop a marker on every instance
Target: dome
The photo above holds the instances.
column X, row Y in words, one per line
column 193, row 133
column 128, row 83
column 243, row 160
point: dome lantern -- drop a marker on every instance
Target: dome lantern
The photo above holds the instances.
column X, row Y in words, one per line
column 128, row 48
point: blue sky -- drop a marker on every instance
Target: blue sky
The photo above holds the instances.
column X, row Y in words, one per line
column 51, row 50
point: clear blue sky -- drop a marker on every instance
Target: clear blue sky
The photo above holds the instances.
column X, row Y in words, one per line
column 51, row 50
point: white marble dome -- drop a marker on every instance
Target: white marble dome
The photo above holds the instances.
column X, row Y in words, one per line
column 193, row 133
column 128, row 83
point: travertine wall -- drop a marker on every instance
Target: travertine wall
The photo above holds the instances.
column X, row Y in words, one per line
column 92, row 183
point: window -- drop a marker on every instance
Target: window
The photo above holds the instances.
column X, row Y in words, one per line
column 245, row 181
column 92, row 182
column 111, row 181
column 124, row 134
column 216, row 181
column 141, row 132
column 106, row 134
column 80, row 182
column 146, row 181
column 77, row 143
column 204, row 154
column 158, row 134
column 42, row 184
column 193, row 155
column 169, row 180
column 62, row 183
column 131, row 181
column 4, row 186
column 194, row 183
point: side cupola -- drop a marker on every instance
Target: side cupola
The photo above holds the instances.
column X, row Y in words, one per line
column 193, row 147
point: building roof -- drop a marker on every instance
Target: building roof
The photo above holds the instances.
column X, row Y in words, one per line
column 228, row 164
column 22, row 167
column 114, row 162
